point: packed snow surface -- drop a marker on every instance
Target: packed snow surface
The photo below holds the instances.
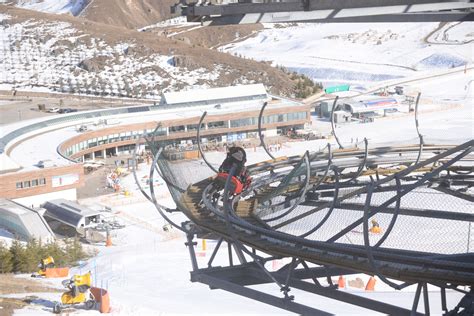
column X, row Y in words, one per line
column 360, row 53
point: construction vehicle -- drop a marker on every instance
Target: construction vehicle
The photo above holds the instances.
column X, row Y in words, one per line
column 78, row 293
column 44, row 264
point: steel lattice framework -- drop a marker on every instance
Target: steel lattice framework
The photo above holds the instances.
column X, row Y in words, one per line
column 327, row 11
column 316, row 208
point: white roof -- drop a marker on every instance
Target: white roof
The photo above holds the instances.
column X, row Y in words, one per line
column 28, row 224
column 7, row 164
column 197, row 95
column 13, row 208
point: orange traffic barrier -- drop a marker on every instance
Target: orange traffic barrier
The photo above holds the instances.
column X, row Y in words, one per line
column 341, row 283
column 370, row 284
column 56, row 272
column 101, row 297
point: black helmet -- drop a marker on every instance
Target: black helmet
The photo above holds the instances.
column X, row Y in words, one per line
column 238, row 153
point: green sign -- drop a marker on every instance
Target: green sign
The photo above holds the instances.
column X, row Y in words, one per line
column 342, row 87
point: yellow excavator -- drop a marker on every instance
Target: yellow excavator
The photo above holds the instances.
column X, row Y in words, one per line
column 44, row 264
column 78, row 293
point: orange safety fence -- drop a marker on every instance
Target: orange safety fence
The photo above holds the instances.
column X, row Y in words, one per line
column 101, row 297
column 56, row 272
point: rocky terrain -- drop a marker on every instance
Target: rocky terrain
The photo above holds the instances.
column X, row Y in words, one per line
column 63, row 53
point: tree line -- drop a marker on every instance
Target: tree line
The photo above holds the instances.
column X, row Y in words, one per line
column 23, row 257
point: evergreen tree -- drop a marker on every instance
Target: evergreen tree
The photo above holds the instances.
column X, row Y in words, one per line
column 6, row 259
column 74, row 251
column 33, row 255
column 54, row 250
column 18, row 254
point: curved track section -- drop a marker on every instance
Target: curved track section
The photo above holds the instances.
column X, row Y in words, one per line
column 402, row 263
column 399, row 213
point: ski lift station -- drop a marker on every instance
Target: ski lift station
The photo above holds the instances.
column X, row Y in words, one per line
column 71, row 214
column 359, row 109
column 23, row 223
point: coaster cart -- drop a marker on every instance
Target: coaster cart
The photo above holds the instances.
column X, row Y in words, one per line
column 239, row 182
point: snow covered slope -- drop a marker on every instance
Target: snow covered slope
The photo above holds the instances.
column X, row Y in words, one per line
column 361, row 53
column 73, row 7
column 59, row 53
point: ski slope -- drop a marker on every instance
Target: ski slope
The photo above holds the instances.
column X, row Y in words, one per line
column 360, row 53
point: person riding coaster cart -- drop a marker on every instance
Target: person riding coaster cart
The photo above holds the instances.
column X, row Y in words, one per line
column 241, row 180
column 78, row 292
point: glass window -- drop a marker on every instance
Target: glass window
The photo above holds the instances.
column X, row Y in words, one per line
column 92, row 142
column 26, row 184
column 19, row 185
column 161, row 131
column 244, row 122
column 176, row 129
column 218, row 124
column 34, row 183
column 194, row 127
column 114, row 138
column 42, row 181
column 102, row 140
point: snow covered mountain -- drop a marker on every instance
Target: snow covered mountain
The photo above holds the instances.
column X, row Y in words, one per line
column 60, row 53
column 73, row 7
column 130, row 14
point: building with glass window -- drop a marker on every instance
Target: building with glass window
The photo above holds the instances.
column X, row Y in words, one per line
column 67, row 140
column 24, row 223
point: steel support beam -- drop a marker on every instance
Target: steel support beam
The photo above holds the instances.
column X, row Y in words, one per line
column 467, row 217
column 272, row 300
column 330, row 11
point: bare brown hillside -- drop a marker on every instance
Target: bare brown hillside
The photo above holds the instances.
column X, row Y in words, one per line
column 146, row 50
column 132, row 14
column 211, row 36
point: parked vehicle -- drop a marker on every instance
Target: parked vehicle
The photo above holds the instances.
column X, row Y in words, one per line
column 53, row 110
column 67, row 110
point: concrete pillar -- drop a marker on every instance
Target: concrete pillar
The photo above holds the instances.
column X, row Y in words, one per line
column 93, row 156
column 116, row 151
column 104, row 153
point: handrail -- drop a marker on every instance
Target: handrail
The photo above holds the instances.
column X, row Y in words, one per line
column 260, row 135
column 198, row 136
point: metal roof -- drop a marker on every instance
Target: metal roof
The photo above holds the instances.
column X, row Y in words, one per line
column 371, row 105
column 67, row 212
column 24, row 222
column 226, row 94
